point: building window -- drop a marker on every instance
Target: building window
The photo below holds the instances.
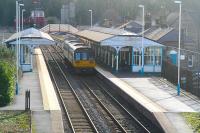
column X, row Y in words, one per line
column 137, row 58
column 148, row 56
column 158, row 56
column 190, row 60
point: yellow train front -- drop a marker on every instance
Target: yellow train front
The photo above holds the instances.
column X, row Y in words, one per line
column 80, row 56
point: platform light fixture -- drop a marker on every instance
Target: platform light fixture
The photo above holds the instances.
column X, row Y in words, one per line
column 18, row 5
column 23, row 10
column 90, row 17
column 143, row 19
column 179, row 47
column 16, row 46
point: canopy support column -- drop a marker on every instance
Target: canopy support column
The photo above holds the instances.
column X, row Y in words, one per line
column 117, row 61
column 117, row 57
column 108, row 58
column 142, row 69
column 105, row 54
column 31, row 57
column 132, row 59
column 112, row 60
column 129, row 58
column 154, row 61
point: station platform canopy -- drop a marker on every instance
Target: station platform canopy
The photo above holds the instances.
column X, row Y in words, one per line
column 124, row 41
column 29, row 39
column 116, row 38
column 50, row 28
column 128, row 49
column 31, row 36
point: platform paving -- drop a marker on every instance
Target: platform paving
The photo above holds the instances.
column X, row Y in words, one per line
column 163, row 94
column 179, row 123
column 30, row 80
column 41, row 121
column 46, row 117
column 156, row 96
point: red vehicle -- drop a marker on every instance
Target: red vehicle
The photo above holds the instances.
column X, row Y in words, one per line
column 37, row 18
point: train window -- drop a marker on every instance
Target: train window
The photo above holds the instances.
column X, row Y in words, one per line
column 84, row 56
column 78, row 56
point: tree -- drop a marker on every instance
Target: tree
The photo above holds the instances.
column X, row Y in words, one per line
column 7, row 83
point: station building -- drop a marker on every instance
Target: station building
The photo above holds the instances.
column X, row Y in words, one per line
column 122, row 50
column 28, row 40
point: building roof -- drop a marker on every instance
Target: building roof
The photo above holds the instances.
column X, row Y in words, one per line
column 125, row 24
column 116, row 38
column 31, row 36
column 99, row 34
column 112, row 31
column 158, row 33
column 132, row 26
column 59, row 28
column 95, row 36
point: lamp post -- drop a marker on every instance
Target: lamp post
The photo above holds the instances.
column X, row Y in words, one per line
column 22, row 47
column 90, row 17
column 16, row 22
column 143, row 19
column 179, row 47
column 17, row 42
column 20, row 16
column 23, row 10
column 19, row 32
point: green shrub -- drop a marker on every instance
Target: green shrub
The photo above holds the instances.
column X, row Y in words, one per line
column 7, row 83
column 6, row 53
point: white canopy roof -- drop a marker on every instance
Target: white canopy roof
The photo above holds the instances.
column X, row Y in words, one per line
column 123, row 41
column 31, row 36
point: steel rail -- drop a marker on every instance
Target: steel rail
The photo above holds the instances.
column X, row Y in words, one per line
column 100, row 103
column 118, row 103
column 59, row 94
column 76, row 96
column 104, row 107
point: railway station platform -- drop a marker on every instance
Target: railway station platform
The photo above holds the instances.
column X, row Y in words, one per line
column 45, row 110
column 156, row 97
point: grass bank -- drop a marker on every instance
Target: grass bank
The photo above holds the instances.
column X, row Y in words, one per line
column 14, row 122
column 194, row 120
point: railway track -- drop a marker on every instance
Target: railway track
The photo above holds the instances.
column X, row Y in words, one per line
column 75, row 113
column 119, row 112
column 115, row 115
column 102, row 119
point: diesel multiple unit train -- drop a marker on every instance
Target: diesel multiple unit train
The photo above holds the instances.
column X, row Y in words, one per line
column 79, row 55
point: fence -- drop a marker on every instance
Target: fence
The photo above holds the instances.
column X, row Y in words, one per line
column 189, row 70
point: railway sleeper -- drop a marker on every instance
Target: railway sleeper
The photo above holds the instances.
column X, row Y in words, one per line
column 83, row 131
column 81, row 124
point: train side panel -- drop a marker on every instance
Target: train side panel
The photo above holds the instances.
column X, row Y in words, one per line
column 81, row 59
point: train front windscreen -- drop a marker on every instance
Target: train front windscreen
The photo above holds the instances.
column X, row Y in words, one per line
column 84, row 56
